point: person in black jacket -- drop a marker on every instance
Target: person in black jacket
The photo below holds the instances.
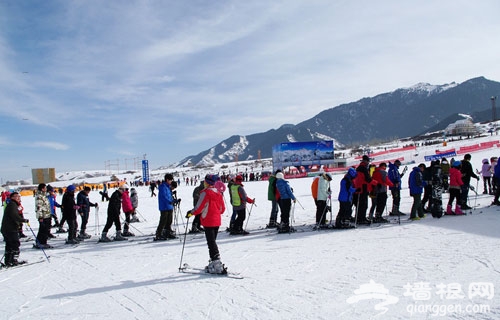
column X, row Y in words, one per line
column 84, row 204
column 10, row 230
column 467, row 174
column 69, row 208
column 114, row 207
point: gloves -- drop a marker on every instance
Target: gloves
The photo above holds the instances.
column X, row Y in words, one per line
column 177, row 201
column 472, row 188
column 250, row 200
column 189, row 214
column 26, row 221
column 76, row 207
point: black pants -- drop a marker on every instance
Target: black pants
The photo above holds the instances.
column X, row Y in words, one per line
column 127, row 220
column 362, row 205
column 285, row 206
column 12, row 242
column 320, row 211
column 85, row 220
column 72, row 226
column 381, row 203
column 43, row 231
column 396, row 197
column 454, row 194
column 241, row 215
column 166, row 217
column 211, row 236
column 345, row 211
column 113, row 218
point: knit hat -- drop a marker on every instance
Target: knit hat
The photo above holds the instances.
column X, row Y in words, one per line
column 352, row 172
column 50, row 188
column 210, row 179
column 366, row 158
column 71, row 188
column 457, row 163
column 280, row 175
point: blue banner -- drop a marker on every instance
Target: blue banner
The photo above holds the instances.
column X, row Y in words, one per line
column 145, row 171
column 441, row 155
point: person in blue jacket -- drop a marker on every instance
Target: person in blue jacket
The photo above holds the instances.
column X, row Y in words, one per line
column 395, row 178
column 345, row 199
column 285, row 202
column 416, row 184
column 166, row 207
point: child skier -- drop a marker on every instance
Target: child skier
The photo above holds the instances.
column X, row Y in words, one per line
column 211, row 207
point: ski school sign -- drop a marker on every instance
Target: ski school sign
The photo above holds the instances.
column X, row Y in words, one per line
column 300, row 157
column 440, row 155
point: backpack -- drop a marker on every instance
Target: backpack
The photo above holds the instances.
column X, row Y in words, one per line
column 314, row 187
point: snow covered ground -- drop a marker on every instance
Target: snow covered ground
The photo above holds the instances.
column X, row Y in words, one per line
column 445, row 268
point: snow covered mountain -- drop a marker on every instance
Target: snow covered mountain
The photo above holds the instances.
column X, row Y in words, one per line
column 404, row 112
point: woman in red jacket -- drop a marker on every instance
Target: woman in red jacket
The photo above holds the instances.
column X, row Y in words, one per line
column 128, row 209
column 210, row 207
column 454, row 188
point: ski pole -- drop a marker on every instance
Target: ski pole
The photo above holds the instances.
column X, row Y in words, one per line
column 475, row 198
column 300, row 204
column 183, row 244
column 38, row 242
column 137, row 211
column 96, row 221
column 356, row 215
column 292, row 218
column 249, row 213
column 129, row 225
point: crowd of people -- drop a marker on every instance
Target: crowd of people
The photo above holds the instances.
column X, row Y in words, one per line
column 426, row 184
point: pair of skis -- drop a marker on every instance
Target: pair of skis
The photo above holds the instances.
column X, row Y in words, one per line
column 186, row 268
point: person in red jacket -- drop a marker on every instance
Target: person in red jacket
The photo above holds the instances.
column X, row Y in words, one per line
column 210, row 207
column 128, row 209
column 380, row 175
column 455, row 188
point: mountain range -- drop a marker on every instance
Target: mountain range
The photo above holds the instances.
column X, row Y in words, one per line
column 405, row 112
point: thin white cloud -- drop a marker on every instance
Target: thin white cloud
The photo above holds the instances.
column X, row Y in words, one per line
column 49, row 145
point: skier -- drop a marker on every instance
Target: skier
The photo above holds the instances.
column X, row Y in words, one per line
column 416, row 185
column 486, row 173
column 395, row 178
column 114, row 206
column 166, row 207
column 239, row 199
column 69, row 208
column 271, row 196
column 467, row 174
column 445, row 171
column 196, row 226
column 210, row 207
column 321, row 193
column 345, row 199
column 128, row 209
column 361, row 183
column 380, row 175
column 84, row 204
column 285, row 202
column 10, row 230
column 135, row 203
column 436, row 202
column 53, row 205
column 43, row 215
column 455, row 189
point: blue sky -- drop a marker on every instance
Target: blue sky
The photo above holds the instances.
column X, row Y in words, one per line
column 85, row 82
